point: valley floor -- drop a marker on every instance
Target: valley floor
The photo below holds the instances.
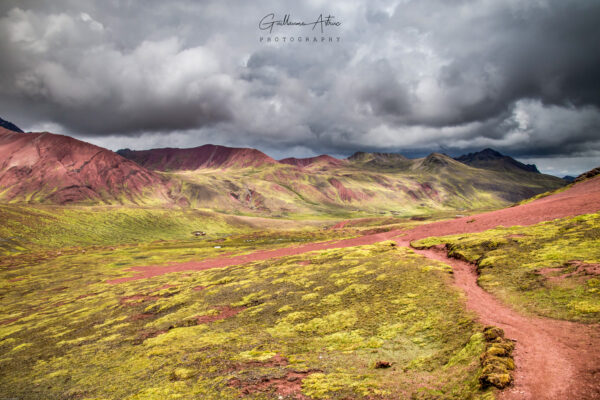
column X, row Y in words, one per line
column 373, row 312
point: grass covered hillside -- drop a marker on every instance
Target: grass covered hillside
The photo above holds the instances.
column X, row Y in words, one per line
column 357, row 186
column 37, row 228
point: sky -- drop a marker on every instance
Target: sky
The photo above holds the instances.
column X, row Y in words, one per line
column 452, row 76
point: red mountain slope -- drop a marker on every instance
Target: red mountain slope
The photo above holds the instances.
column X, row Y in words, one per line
column 44, row 167
column 207, row 156
column 581, row 198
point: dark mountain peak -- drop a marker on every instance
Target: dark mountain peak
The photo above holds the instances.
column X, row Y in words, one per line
column 485, row 154
column 10, row 126
column 491, row 153
column 494, row 160
column 123, row 152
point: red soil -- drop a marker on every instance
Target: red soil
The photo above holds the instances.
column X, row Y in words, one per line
column 207, row 156
column 224, row 313
column 288, row 386
column 60, row 169
column 582, row 270
column 340, row 225
column 9, row 321
column 345, row 193
column 137, row 317
column 148, row 333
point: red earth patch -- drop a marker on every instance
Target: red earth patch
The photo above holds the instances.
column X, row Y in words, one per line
column 137, row 317
column 224, row 313
column 581, row 271
column 289, row 385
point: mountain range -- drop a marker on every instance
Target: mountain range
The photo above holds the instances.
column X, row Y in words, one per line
column 55, row 169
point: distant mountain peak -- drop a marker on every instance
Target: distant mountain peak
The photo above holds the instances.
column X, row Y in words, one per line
column 493, row 159
column 488, row 152
column 437, row 161
column 10, row 126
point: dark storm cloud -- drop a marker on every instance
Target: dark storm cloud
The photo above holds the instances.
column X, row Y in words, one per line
column 410, row 76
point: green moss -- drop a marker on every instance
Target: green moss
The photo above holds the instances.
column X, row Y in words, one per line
column 182, row 373
column 256, row 355
column 322, row 386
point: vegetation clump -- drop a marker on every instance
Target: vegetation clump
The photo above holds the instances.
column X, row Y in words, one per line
column 496, row 362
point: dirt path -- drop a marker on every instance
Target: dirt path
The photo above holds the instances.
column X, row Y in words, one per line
column 555, row 359
column 261, row 255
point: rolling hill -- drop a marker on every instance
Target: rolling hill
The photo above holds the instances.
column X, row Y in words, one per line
column 207, row 156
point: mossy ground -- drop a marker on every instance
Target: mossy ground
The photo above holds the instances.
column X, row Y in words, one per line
column 550, row 269
column 67, row 334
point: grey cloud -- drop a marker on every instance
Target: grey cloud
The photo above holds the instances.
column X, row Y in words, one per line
column 410, row 76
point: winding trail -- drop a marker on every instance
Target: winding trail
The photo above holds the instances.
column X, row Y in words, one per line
column 556, row 360
column 261, row 255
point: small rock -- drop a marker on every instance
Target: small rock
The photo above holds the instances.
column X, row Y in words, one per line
column 383, row 364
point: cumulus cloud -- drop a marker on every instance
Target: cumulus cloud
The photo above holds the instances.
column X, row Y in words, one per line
column 409, row 76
